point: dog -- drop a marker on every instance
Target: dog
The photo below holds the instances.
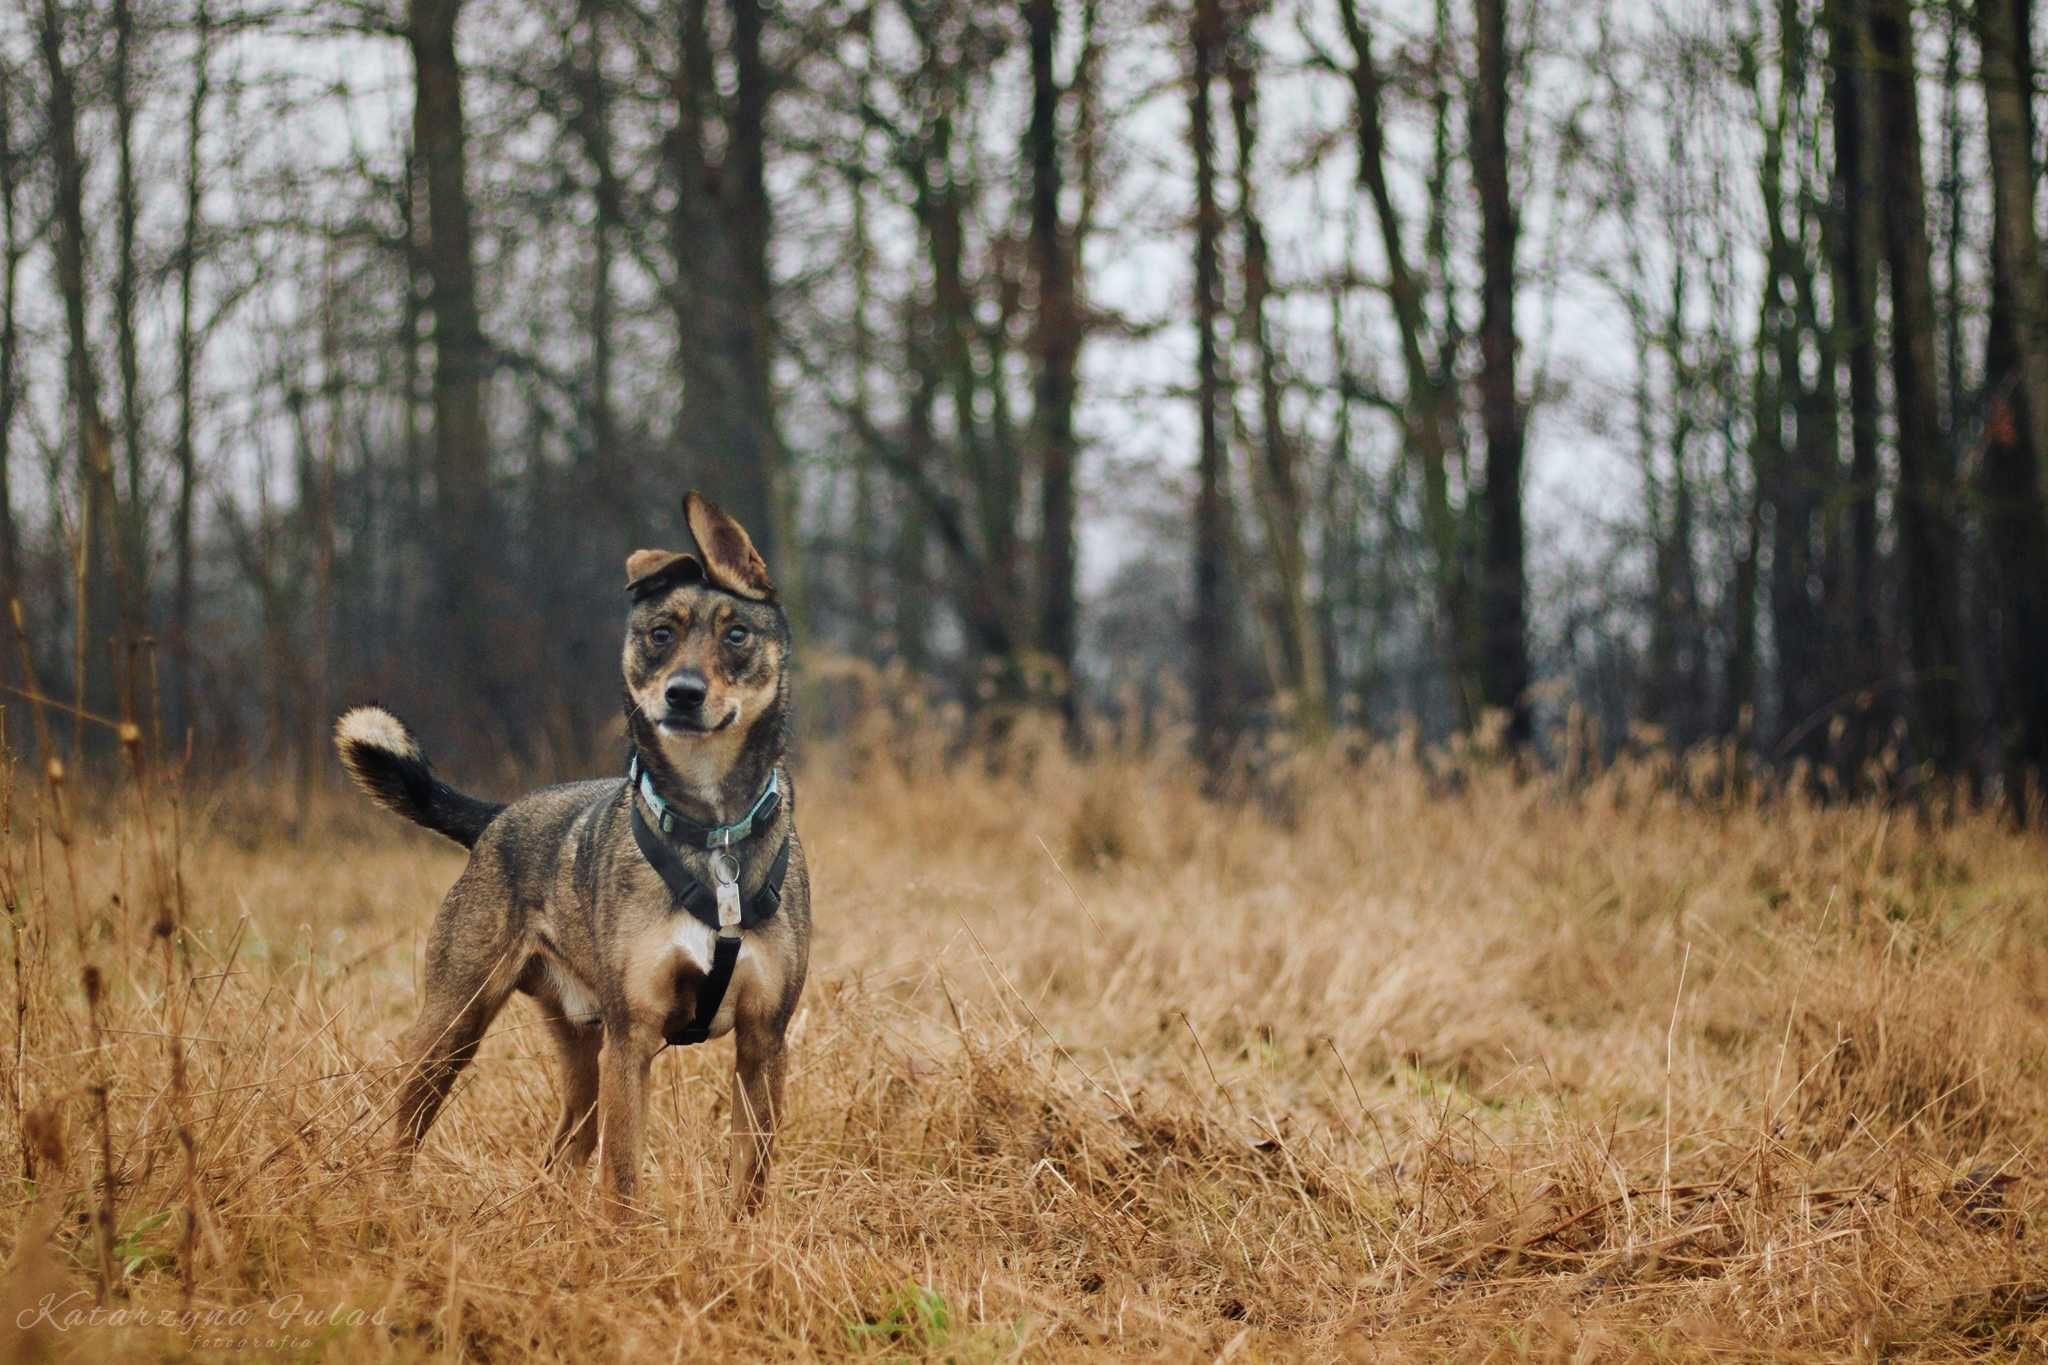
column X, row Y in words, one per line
column 668, row 907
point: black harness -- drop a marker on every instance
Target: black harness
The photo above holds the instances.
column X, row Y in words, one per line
column 688, row 894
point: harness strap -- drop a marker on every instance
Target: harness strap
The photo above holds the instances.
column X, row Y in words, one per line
column 711, row 994
column 689, row 894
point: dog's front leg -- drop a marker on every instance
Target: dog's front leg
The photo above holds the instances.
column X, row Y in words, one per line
column 576, row 1132
column 622, row 1111
column 756, row 1106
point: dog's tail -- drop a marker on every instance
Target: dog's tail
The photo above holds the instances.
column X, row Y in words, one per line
column 391, row 768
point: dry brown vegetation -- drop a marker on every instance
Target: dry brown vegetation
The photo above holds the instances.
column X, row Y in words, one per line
column 1395, row 1060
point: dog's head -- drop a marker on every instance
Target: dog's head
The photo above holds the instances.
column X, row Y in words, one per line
column 706, row 642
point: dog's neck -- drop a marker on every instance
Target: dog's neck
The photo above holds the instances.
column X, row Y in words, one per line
column 713, row 780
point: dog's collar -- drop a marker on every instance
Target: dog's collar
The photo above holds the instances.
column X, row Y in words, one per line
column 670, row 822
column 689, row 894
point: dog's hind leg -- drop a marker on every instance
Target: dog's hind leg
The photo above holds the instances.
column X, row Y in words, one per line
column 576, row 1133
column 759, row 1063
column 465, row 985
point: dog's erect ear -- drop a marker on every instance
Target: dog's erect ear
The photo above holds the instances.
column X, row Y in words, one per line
column 647, row 570
column 730, row 559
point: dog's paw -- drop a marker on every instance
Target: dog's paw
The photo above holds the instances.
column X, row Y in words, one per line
column 396, row 1165
column 626, row 1212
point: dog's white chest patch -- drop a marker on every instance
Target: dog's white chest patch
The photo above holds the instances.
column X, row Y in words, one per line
column 692, row 939
column 579, row 1002
column 696, row 940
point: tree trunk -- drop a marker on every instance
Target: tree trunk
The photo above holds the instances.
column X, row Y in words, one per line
column 316, row 506
column 461, row 356
column 718, row 244
column 1855, row 612
column 182, row 690
column 2003, row 29
column 1059, row 343
column 864, row 532
column 1685, row 701
column 1277, row 479
column 696, row 250
column 98, row 595
column 2015, row 568
column 1504, row 650
column 593, row 121
column 12, row 248
column 1791, row 474
column 911, row 553
column 133, row 524
column 2016, row 422
column 403, row 602
column 1673, row 699
column 989, row 601
column 1341, row 606
column 768, row 480
column 1928, row 511
column 983, row 452
column 1738, row 701
column 1209, row 632
column 1949, row 195
column 1814, row 486
column 1429, row 427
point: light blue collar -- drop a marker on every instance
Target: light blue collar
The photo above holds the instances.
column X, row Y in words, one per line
column 671, row 822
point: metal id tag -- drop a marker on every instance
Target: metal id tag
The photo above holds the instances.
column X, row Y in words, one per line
column 726, row 870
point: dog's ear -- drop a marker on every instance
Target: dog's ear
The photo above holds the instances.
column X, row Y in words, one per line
column 730, row 559
column 647, row 570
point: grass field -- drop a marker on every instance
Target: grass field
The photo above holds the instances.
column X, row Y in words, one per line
column 1393, row 1064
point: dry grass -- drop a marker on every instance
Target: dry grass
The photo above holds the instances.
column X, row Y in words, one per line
column 1375, row 1071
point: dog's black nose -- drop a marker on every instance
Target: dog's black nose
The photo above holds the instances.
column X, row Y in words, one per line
column 685, row 691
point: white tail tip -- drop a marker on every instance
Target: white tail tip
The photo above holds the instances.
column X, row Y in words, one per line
column 373, row 727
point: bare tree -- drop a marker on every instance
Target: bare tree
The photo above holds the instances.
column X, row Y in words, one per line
column 971, row 501
column 99, row 596
column 1058, row 328
column 1796, row 430
column 13, row 247
column 1209, row 631
column 2015, row 517
column 462, row 360
column 1854, row 213
column 133, row 523
column 1430, row 405
column 1504, row 647
column 1281, row 497
column 1928, row 507
column 190, row 343
column 593, row 123
column 2003, row 27
column 721, row 288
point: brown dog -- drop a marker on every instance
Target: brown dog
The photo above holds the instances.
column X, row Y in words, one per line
column 669, row 907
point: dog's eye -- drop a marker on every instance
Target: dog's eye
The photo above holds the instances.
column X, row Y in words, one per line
column 737, row 635
column 661, row 637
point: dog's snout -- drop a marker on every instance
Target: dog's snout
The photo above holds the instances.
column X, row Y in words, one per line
column 686, row 691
